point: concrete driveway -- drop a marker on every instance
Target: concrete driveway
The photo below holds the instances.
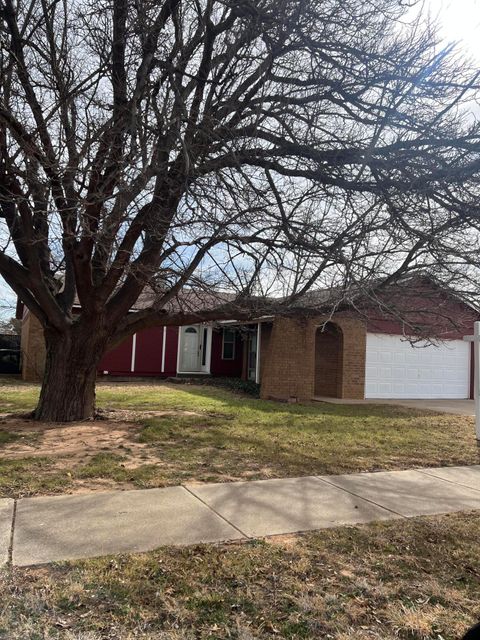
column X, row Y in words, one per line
column 457, row 407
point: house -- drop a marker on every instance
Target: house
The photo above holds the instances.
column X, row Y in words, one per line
column 364, row 350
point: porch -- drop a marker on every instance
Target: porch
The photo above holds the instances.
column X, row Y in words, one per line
column 227, row 349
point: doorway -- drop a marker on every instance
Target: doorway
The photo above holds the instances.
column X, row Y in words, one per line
column 194, row 349
column 329, row 361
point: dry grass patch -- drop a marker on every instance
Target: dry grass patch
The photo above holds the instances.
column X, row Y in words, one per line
column 411, row 579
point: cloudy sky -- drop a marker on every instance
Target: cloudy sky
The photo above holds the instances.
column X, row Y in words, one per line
column 460, row 23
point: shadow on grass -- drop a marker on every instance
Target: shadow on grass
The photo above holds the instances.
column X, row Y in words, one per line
column 231, row 400
column 257, row 440
column 230, row 436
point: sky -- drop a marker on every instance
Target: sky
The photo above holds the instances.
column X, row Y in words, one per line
column 459, row 22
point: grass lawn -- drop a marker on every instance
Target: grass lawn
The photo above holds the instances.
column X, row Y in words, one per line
column 412, row 579
column 162, row 434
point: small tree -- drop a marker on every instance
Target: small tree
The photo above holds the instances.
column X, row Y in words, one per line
column 10, row 327
column 253, row 148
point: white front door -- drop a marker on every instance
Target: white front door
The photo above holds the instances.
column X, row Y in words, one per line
column 190, row 349
column 396, row 369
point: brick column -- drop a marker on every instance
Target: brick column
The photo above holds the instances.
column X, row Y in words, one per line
column 354, row 357
column 287, row 373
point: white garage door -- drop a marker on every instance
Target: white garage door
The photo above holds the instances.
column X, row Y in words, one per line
column 396, row 369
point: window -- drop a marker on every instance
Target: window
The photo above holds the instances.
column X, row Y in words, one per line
column 228, row 344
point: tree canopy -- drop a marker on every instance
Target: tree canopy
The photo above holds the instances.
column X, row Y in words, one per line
column 257, row 148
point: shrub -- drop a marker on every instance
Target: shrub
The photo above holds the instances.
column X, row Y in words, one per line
column 236, row 385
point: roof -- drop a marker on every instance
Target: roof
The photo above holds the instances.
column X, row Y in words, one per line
column 390, row 300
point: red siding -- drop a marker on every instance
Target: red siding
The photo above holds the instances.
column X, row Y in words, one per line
column 229, row 368
column 171, row 351
column 148, row 355
column 148, row 351
column 444, row 332
column 437, row 314
column 118, row 360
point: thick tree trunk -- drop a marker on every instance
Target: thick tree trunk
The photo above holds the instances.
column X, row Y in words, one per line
column 68, row 388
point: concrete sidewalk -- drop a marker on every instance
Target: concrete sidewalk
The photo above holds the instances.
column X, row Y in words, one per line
column 40, row 530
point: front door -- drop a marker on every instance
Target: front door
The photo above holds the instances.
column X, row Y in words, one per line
column 190, row 353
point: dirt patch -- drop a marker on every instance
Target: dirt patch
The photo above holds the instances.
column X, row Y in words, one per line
column 116, row 432
column 72, row 447
column 285, row 541
column 105, row 454
column 78, row 441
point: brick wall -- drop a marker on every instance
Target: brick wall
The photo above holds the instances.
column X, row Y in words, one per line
column 286, row 367
column 293, row 360
column 32, row 345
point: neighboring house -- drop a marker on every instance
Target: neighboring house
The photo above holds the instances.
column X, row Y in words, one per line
column 352, row 354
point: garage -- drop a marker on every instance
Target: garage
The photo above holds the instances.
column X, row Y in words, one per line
column 397, row 369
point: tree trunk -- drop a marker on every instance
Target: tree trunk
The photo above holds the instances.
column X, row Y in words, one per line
column 68, row 387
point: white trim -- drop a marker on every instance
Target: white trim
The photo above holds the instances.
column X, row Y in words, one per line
column 164, row 343
column 134, row 350
column 194, row 373
column 257, row 363
column 209, row 350
column 179, row 339
column 242, row 322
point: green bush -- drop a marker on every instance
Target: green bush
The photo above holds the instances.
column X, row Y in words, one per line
column 236, row 385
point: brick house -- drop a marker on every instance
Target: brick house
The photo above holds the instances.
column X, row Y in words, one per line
column 367, row 353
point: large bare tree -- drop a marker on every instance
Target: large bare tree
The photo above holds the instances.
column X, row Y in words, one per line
column 247, row 149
